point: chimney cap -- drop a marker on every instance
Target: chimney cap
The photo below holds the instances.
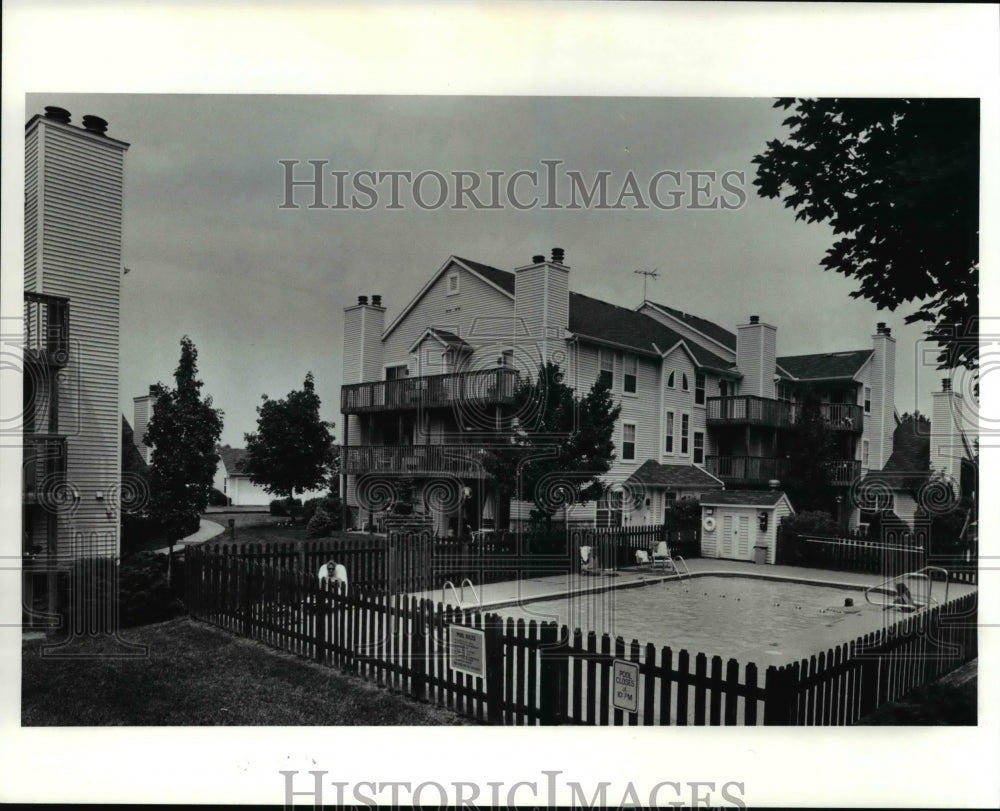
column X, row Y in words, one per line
column 95, row 124
column 558, row 254
column 362, row 299
column 946, row 384
column 59, row 114
column 537, row 259
column 754, row 319
column 773, row 484
column 152, row 388
column 376, row 300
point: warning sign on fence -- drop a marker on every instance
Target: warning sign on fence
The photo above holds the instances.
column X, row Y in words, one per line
column 626, row 686
column 467, row 650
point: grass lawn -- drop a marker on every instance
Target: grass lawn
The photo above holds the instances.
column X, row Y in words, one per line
column 197, row 675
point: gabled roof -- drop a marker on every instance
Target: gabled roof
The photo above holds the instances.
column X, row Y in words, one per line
column 654, row 474
column 593, row 318
column 233, row 459
column 702, row 325
column 825, row 366
column 449, row 340
column 501, row 278
column 743, row 498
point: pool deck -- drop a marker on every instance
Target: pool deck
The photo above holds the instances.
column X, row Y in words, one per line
column 512, row 592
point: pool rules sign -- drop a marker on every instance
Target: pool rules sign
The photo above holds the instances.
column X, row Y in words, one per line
column 467, row 650
column 626, row 686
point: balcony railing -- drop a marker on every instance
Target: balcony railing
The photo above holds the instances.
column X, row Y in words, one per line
column 413, row 460
column 745, row 469
column 748, row 410
column 478, row 388
column 844, row 472
column 44, row 466
column 837, row 416
column 752, row 410
column 46, row 329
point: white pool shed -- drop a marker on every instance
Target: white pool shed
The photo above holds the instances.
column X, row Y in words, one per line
column 742, row 524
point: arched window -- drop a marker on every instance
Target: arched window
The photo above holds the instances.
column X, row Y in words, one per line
column 684, row 382
column 670, row 380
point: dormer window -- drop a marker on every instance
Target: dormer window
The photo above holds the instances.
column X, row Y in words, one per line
column 453, row 283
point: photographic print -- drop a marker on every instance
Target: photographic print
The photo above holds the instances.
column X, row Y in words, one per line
column 459, row 413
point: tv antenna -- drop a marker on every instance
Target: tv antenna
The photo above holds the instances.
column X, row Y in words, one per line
column 646, row 275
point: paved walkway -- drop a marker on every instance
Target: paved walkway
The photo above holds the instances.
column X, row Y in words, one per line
column 206, row 530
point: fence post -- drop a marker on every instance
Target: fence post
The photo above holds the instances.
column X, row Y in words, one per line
column 322, row 606
column 494, row 668
column 550, row 679
column 778, row 696
column 419, row 650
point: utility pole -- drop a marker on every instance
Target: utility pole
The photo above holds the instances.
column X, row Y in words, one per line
column 646, row 274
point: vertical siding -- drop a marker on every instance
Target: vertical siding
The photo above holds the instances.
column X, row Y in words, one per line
column 478, row 313
column 80, row 193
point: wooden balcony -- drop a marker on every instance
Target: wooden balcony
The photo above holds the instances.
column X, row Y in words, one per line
column 745, row 469
column 413, row 460
column 751, row 410
column 484, row 387
column 844, row 472
column 46, row 329
column 837, row 416
column 748, row 410
column 44, row 466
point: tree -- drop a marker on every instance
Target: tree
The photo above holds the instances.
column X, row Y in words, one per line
column 292, row 450
column 898, row 179
column 183, row 432
column 559, row 450
column 807, row 476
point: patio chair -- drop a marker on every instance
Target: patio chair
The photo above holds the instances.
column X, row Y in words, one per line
column 661, row 554
column 642, row 558
column 588, row 563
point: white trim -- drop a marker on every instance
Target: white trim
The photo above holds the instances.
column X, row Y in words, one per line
column 432, row 332
column 672, row 433
column 423, row 290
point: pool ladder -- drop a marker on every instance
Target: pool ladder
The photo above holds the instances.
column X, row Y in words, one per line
column 460, row 592
column 884, row 588
column 677, row 562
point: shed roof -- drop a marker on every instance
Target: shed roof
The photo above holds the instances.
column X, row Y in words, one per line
column 749, row 498
column 654, row 474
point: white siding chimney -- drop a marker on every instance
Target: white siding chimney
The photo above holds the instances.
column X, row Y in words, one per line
column 142, row 412
column 883, row 401
column 947, row 449
column 756, row 351
column 541, row 313
column 364, row 324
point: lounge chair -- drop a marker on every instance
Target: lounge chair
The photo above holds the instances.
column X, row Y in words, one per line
column 642, row 558
column 661, row 554
column 588, row 563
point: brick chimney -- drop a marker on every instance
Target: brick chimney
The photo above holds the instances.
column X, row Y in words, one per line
column 756, row 353
column 881, row 423
column 541, row 311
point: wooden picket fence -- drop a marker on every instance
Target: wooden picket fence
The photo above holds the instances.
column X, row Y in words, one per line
column 413, row 561
column 539, row 673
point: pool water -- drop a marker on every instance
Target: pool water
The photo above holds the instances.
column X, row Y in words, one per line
column 751, row 619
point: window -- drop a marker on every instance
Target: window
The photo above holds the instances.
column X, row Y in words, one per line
column 452, row 283
column 865, row 446
column 631, row 373
column 606, row 362
column 397, row 372
column 669, row 446
column 670, row 380
column 685, row 421
column 868, row 399
column 699, row 448
column 684, row 382
column 699, row 388
column 628, row 441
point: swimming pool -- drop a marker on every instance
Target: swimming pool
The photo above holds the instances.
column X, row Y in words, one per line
column 748, row 618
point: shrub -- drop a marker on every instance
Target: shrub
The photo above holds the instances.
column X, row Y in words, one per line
column 683, row 514
column 280, row 506
column 321, row 524
column 811, row 523
column 139, row 531
column 216, row 498
column 329, row 502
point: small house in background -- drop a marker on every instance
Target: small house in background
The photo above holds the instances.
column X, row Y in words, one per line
column 742, row 524
column 234, row 484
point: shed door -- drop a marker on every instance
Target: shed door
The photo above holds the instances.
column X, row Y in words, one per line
column 743, row 538
column 726, row 541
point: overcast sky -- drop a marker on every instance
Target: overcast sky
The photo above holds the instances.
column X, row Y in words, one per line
column 261, row 289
